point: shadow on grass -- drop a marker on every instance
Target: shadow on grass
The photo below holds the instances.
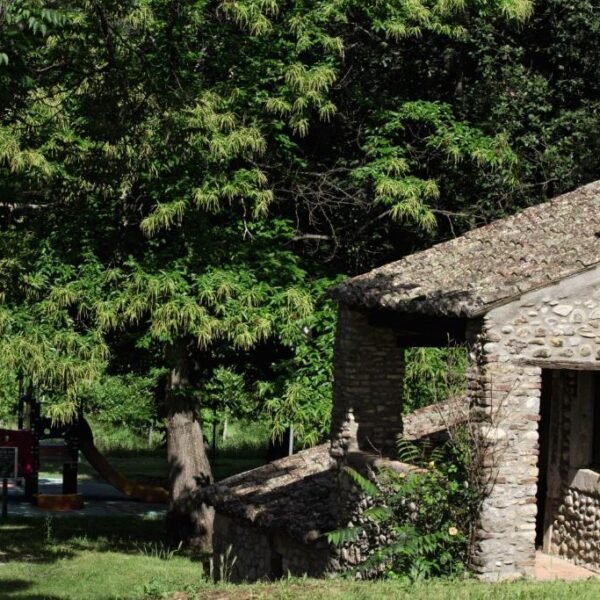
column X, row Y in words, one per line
column 48, row 539
column 14, row 588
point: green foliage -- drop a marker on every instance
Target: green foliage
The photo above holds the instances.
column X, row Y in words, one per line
column 195, row 178
column 300, row 393
column 9, row 395
column 123, row 401
column 109, row 437
column 365, row 484
column 248, row 438
column 394, row 161
column 157, row 549
column 433, row 375
column 425, row 514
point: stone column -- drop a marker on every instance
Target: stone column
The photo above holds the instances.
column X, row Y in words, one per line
column 368, row 380
column 505, row 408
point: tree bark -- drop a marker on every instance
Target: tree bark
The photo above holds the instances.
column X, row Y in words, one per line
column 188, row 522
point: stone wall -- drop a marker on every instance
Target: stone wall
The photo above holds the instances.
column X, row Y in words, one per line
column 573, row 504
column 368, row 379
column 243, row 552
column 557, row 327
column 554, row 328
column 240, row 552
column 506, row 408
column 575, row 532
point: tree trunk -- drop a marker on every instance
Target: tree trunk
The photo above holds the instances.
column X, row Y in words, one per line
column 189, row 469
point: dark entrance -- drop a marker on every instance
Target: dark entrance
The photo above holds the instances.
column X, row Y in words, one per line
column 544, row 447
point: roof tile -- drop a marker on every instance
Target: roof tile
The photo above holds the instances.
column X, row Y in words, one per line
column 495, row 263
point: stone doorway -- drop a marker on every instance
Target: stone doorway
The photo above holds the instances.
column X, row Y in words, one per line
column 543, row 457
column 568, row 493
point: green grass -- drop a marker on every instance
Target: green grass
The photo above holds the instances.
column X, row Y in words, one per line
column 89, row 558
column 151, row 467
column 79, row 558
column 244, row 449
column 345, row 590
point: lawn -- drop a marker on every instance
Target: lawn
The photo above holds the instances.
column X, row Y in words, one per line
column 151, row 467
column 89, row 558
column 79, row 558
column 380, row 590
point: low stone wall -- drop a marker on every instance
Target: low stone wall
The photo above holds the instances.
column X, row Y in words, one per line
column 243, row 552
column 434, row 421
column 576, row 529
column 240, row 553
column 352, row 503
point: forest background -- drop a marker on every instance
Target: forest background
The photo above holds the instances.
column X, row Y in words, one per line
column 181, row 183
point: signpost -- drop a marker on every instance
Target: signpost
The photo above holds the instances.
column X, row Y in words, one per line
column 8, row 470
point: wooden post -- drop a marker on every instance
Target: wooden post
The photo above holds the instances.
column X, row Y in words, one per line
column 291, row 440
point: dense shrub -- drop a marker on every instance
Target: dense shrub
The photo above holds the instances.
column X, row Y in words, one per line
column 424, row 516
column 8, row 398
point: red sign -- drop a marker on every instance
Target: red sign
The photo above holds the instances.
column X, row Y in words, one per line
column 23, row 440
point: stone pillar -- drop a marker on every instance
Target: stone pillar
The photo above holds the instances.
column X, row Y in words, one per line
column 368, row 380
column 505, row 407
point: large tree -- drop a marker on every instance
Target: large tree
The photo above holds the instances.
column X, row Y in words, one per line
column 164, row 163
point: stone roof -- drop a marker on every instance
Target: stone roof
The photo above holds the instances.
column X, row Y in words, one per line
column 490, row 265
column 293, row 494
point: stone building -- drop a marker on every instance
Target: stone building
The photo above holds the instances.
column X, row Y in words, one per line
column 523, row 296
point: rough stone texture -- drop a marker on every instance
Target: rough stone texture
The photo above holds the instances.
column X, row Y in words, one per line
column 573, row 502
column 506, row 400
column 576, row 534
column 271, row 519
column 368, row 380
column 293, row 494
column 245, row 552
column 287, row 535
column 434, row 421
column 530, row 286
column 465, row 276
column 559, row 324
column 516, row 341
